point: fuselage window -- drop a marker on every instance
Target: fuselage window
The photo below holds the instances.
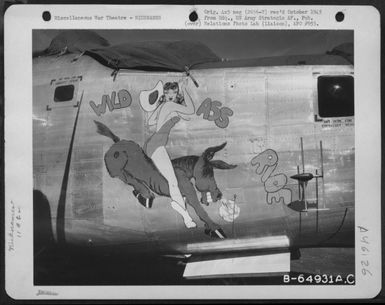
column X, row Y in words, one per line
column 335, row 96
column 64, row 93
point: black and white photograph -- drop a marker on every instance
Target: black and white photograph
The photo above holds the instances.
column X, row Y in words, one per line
column 220, row 153
column 189, row 157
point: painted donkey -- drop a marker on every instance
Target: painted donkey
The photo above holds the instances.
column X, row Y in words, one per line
column 127, row 161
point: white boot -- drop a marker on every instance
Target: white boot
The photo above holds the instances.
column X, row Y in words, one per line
column 189, row 223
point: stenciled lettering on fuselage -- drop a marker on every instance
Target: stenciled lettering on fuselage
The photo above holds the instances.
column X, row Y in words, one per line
column 124, row 101
column 266, row 162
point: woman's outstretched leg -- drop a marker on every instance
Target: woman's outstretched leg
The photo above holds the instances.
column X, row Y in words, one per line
column 164, row 165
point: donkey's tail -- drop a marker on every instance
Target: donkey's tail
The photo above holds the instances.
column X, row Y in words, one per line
column 105, row 131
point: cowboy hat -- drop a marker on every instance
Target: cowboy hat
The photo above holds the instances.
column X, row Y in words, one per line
column 149, row 99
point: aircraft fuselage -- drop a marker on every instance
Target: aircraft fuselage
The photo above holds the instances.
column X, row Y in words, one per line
column 268, row 116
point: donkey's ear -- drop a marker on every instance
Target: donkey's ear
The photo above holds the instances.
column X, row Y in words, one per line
column 208, row 154
column 222, row 164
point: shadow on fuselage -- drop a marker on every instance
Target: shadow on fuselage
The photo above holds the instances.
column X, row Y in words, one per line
column 42, row 227
column 67, row 264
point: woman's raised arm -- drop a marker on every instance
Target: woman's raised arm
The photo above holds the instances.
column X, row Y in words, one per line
column 153, row 119
column 188, row 108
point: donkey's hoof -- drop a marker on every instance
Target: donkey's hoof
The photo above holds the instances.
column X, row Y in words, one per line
column 218, row 233
column 146, row 202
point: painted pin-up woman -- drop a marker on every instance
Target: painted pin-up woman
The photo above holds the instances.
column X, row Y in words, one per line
column 165, row 111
